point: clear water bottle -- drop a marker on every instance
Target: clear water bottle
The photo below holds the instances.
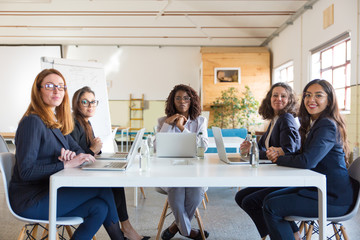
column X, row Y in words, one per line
column 151, row 145
column 144, row 155
column 244, row 153
column 200, row 146
column 254, row 153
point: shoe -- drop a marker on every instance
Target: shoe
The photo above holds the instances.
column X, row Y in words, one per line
column 167, row 235
column 145, row 238
column 199, row 237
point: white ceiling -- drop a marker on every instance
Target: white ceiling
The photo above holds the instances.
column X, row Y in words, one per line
column 146, row 22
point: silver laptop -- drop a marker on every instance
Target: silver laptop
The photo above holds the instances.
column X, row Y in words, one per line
column 222, row 152
column 117, row 165
column 176, row 145
column 124, row 155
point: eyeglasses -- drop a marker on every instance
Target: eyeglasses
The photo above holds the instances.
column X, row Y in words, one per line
column 52, row 87
column 186, row 99
column 317, row 96
column 87, row 103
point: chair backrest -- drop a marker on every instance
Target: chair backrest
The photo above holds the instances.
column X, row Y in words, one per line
column 354, row 172
column 7, row 162
column 3, row 145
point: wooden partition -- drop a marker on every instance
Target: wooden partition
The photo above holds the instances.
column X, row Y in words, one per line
column 254, row 64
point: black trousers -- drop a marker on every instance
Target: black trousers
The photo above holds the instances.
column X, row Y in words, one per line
column 120, row 202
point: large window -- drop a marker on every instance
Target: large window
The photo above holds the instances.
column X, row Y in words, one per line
column 285, row 73
column 332, row 63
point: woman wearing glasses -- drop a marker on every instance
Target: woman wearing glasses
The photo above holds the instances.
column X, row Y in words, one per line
column 84, row 107
column 44, row 147
column 324, row 149
column 280, row 107
column 183, row 116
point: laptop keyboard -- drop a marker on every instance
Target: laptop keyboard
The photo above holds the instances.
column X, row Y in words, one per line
column 116, row 165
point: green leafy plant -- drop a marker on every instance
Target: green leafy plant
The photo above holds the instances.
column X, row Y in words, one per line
column 232, row 111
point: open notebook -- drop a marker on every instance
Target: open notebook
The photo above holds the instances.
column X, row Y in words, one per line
column 222, row 152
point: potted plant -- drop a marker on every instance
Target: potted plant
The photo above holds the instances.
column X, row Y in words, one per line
column 232, row 111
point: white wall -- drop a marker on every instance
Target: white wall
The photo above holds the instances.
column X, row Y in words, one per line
column 296, row 41
column 151, row 70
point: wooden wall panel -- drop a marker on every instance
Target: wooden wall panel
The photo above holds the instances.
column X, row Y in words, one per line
column 255, row 71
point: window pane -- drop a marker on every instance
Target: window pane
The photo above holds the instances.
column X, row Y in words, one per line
column 339, row 54
column 327, row 75
column 339, row 77
column 340, row 94
column 348, row 74
column 348, row 98
column 315, row 58
column 315, row 71
column 326, row 59
column 290, row 73
column 348, row 50
column 283, row 75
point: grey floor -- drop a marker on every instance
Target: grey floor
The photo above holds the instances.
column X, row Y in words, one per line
column 222, row 218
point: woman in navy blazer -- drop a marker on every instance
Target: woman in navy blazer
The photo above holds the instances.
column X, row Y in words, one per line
column 43, row 147
column 279, row 106
column 84, row 107
column 324, row 149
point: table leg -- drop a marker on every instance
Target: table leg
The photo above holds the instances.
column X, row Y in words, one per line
column 52, row 210
column 135, row 196
column 322, row 211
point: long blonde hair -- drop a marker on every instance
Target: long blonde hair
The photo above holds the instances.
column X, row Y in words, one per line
column 37, row 106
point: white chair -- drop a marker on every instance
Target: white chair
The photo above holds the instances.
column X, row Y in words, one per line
column 3, row 145
column 339, row 232
column 164, row 215
column 7, row 162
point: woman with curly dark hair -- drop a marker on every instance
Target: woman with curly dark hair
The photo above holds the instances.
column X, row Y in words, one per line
column 183, row 116
column 279, row 106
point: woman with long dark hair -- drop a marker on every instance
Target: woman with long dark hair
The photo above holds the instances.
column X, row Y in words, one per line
column 324, row 149
column 84, row 107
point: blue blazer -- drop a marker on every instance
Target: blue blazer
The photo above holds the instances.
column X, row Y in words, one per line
column 79, row 135
column 37, row 152
column 285, row 134
column 322, row 152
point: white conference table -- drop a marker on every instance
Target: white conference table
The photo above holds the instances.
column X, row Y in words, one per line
column 208, row 172
column 229, row 142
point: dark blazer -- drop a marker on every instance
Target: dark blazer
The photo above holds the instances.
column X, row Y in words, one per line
column 323, row 153
column 285, row 134
column 37, row 152
column 79, row 135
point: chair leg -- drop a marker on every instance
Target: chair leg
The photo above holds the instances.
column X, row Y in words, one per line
column 203, row 203
column 343, row 231
column 162, row 219
column 200, row 222
column 206, row 197
column 310, row 230
column 34, row 231
column 336, row 232
column 142, row 192
column 22, row 233
column 69, row 231
column 45, row 232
